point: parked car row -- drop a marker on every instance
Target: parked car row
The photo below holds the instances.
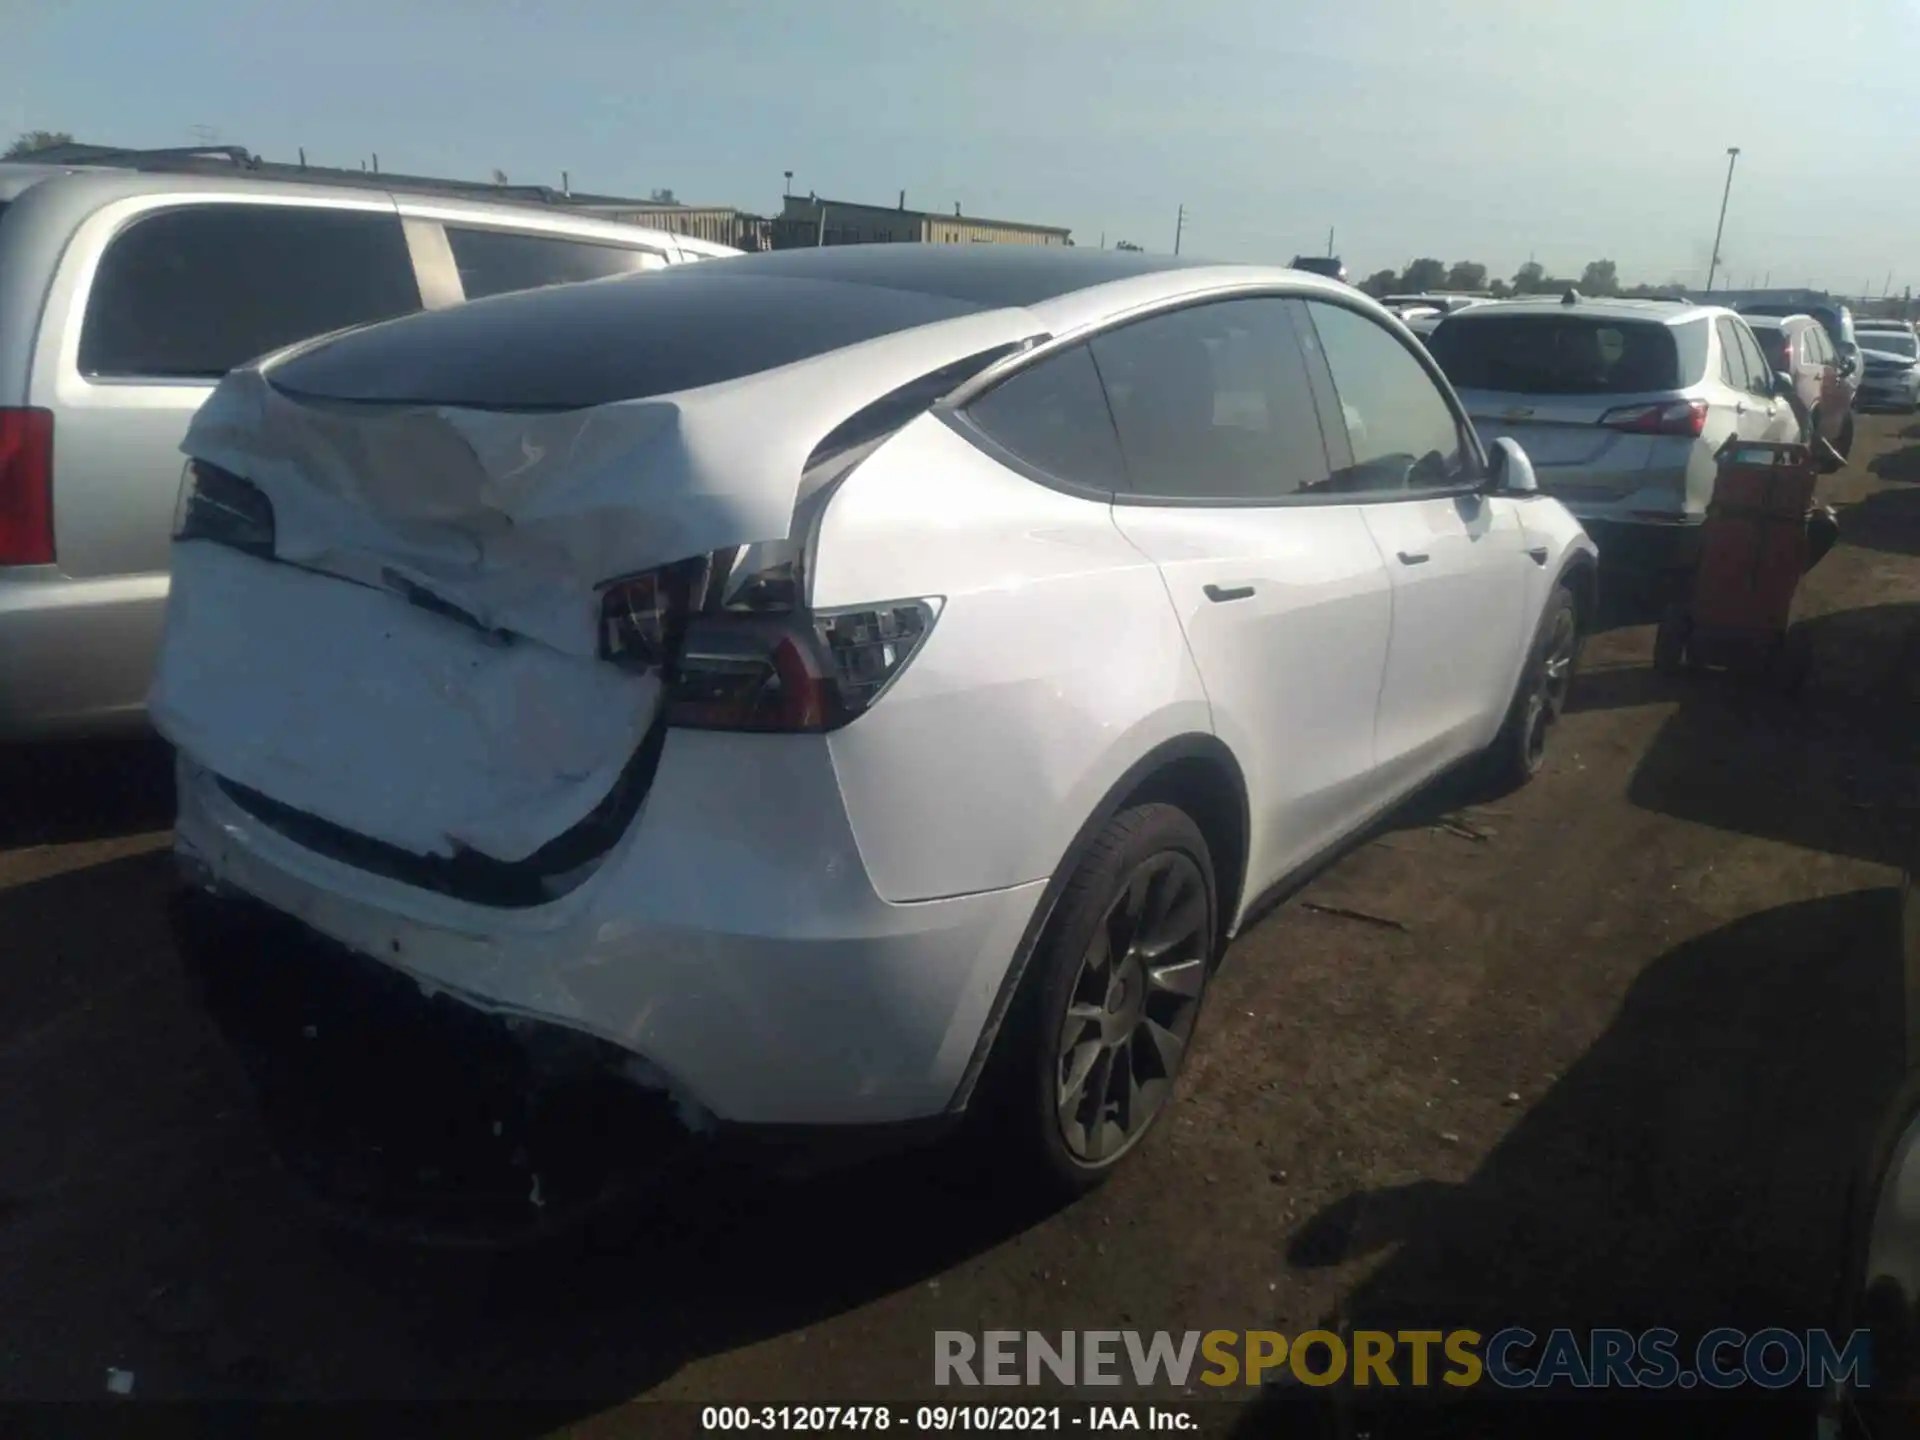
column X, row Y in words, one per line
column 1890, row 378
column 1623, row 405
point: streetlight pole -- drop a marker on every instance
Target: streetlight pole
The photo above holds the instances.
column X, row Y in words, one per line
column 1179, row 225
column 787, row 194
column 1733, row 154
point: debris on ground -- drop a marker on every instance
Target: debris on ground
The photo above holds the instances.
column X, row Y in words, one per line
column 1343, row 913
column 1465, row 829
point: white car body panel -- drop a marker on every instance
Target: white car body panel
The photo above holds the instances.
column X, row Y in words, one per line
column 375, row 714
column 1040, row 593
column 732, row 939
column 1459, row 631
column 1300, row 717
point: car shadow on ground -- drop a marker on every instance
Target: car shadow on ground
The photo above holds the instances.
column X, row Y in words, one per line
column 1887, row 521
column 84, row 790
column 1835, row 769
column 142, row 1217
column 1662, row 1181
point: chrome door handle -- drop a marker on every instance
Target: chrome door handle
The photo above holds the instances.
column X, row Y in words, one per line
column 1231, row 592
column 1414, row 557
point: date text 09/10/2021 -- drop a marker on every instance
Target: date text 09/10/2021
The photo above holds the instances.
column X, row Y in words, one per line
column 936, row 1419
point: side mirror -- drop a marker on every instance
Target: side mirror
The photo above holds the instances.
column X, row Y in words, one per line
column 1509, row 471
column 1782, row 383
column 1847, row 364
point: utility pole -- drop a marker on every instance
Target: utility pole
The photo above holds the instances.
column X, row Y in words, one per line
column 1329, row 242
column 1887, row 286
column 1179, row 225
column 1733, row 154
column 1103, row 239
column 787, row 194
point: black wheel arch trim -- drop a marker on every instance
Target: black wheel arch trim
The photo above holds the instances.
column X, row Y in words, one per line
column 1587, row 567
column 1193, row 746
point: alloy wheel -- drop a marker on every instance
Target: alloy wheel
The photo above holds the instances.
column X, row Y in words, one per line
column 1553, row 680
column 1131, row 1011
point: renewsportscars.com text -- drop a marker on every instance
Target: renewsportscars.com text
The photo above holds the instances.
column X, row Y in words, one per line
column 1513, row 1358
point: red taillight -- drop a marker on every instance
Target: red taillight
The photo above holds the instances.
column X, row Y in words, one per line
column 26, row 487
column 796, row 671
column 1676, row 417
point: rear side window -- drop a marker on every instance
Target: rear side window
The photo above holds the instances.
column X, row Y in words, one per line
column 1759, row 375
column 1213, row 403
column 1402, row 432
column 1733, row 356
column 1556, row 354
column 498, row 262
column 193, row 293
column 1053, row 416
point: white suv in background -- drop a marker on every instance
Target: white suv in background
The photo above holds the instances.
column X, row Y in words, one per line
column 829, row 689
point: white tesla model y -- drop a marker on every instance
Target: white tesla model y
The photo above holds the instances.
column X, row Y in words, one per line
column 813, row 694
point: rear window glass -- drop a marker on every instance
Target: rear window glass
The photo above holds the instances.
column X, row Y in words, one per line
column 571, row 346
column 193, row 293
column 1557, row 355
column 498, row 262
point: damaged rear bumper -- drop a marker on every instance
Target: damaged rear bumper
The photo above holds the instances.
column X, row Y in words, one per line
column 408, row 1113
column 730, row 946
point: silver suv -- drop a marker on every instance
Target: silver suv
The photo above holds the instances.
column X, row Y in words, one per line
column 1621, row 405
column 125, row 294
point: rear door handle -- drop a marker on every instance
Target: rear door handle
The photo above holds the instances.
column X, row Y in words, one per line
column 1221, row 594
column 1414, row 557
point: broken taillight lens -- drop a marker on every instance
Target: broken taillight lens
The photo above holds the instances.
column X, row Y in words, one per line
column 218, row 505
column 795, row 673
column 642, row 616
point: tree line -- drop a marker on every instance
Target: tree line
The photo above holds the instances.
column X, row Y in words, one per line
column 1423, row 276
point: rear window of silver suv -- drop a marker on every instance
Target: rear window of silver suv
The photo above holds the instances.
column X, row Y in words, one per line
column 1569, row 354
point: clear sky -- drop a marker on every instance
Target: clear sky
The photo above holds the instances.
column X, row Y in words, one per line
column 1486, row 130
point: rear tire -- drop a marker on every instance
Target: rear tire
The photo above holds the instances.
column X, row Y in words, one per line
column 1107, row 1010
column 1520, row 750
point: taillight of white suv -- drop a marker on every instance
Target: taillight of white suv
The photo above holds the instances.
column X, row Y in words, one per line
column 759, row 660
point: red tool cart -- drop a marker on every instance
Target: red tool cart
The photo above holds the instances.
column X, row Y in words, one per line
column 1755, row 546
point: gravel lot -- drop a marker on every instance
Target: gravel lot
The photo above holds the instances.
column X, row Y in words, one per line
column 1605, row 1053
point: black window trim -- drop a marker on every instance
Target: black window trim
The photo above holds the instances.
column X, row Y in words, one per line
column 147, row 207
column 952, row 410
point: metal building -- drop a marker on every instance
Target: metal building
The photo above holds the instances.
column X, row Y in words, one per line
column 810, row 220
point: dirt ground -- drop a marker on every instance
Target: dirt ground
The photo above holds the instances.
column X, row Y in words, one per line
column 1606, row 1053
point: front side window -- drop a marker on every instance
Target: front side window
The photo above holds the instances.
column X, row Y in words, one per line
column 1213, row 403
column 499, row 262
column 1403, row 433
column 190, row 294
column 1053, row 417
